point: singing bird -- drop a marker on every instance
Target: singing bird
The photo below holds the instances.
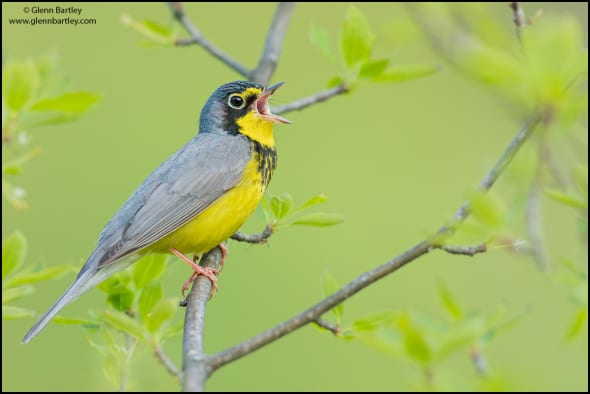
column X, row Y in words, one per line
column 196, row 199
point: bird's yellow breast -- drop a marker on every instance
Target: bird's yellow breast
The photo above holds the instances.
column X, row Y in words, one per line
column 222, row 218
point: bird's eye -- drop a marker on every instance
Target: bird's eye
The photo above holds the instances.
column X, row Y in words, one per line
column 236, row 101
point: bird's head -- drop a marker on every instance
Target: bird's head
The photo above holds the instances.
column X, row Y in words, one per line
column 241, row 107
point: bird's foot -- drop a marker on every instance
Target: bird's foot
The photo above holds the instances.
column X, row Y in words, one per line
column 209, row 273
column 224, row 250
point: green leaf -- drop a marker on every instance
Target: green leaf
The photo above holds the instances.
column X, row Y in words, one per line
column 103, row 350
column 14, row 293
column 39, row 275
column 47, row 64
column 113, row 282
column 577, row 324
column 20, row 81
column 14, row 251
column 413, row 339
column 161, row 313
column 281, row 205
column 580, row 293
column 493, row 67
column 112, row 369
column 461, row 335
column 375, row 321
column 334, row 81
column 14, row 167
column 319, row 219
column 157, row 28
column 357, row 38
column 415, row 345
column 153, row 31
column 123, row 322
column 149, row 268
column 315, row 200
column 11, row 168
column 373, row 68
column 330, row 286
column 269, row 217
column 405, row 73
column 149, row 297
column 15, row 312
column 487, row 210
column 448, row 301
column 494, row 327
column 321, row 40
column 121, row 298
column 76, row 102
column 275, row 206
column 555, row 55
column 74, row 321
column 570, row 200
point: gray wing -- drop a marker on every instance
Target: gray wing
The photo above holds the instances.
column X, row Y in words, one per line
column 178, row 190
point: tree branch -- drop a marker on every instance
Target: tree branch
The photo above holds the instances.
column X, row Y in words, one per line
column 274, row 42
column 254, row 238
column 167, row 363
column 519, row 17
column 534, row 225
column 195, row 371
column 479, row 361
column 463, row 250
column 315, row 312
column 197, row 38
column 311, row 100
column 333, row 328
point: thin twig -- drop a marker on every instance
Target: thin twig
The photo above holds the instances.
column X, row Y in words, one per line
column 310, row 100
column 195, row 372
column 167, row 363
column 479, row 361
column 312, row 314
column 130, row 343
column 254, row 238
column 519, row 17
column 274, row 42
column 506, row 158
column 463, row 250
column 553, row 168
column 197, row 38
column 534, row 225
column 327, row 325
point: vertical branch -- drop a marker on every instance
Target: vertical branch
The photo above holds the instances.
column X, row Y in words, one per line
column 519, row 17
column 194, row 365
column 197, row 38
column 274, row 42
column 130, row 343
column 534, row 225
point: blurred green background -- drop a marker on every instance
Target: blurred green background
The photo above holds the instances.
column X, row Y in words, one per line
column 395, row 159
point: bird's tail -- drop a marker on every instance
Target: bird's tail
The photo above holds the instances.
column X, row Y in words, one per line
column 75, row 290
column 87, row 279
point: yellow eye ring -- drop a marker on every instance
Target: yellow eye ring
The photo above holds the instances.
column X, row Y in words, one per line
column 236, row 101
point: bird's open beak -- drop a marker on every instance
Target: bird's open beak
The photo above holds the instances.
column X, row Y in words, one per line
column 262, row 104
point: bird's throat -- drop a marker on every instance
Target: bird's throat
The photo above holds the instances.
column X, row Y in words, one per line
column 257, row 129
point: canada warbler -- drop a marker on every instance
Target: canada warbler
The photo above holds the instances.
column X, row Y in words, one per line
column 197, row 198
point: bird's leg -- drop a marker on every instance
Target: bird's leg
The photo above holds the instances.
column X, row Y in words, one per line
column 223, row 248
column 209, row 273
